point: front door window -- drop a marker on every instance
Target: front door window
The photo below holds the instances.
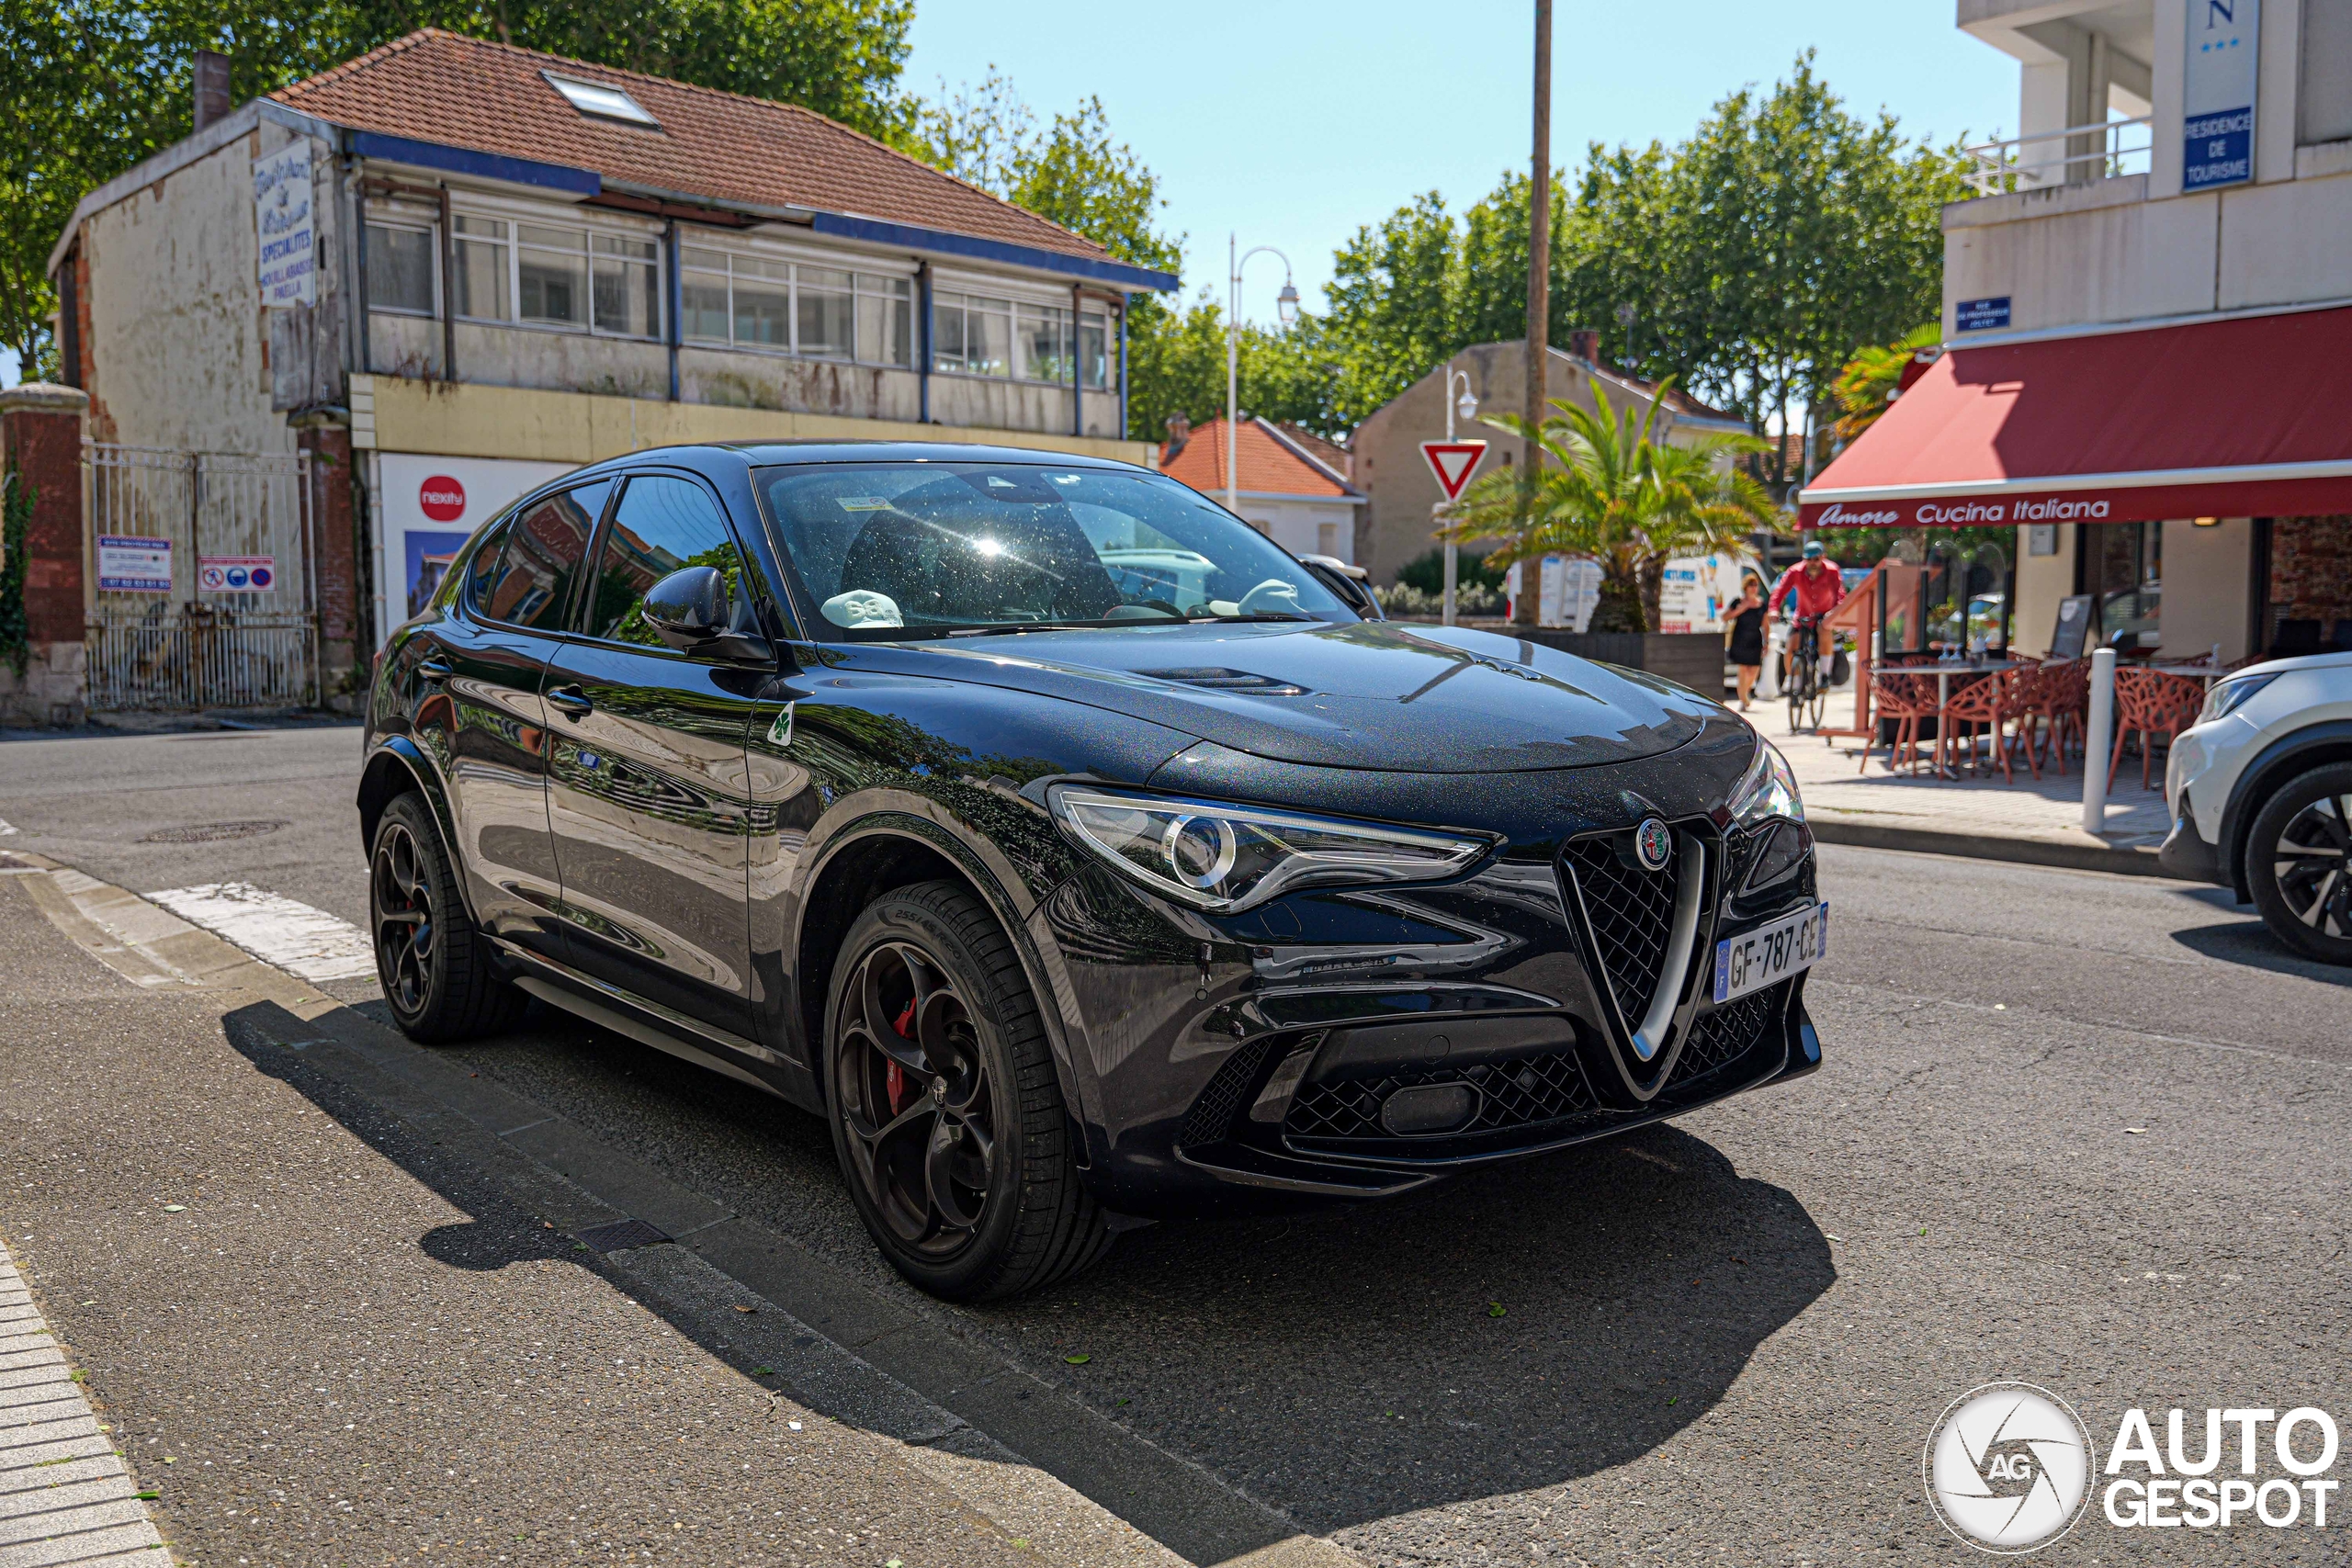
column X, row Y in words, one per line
column 2126, row 571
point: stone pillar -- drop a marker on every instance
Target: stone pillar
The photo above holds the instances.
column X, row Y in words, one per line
column 40, row 430
column 335, row 560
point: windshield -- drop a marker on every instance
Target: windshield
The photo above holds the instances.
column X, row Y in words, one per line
column 890, row 550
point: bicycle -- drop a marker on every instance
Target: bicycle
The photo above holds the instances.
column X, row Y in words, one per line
column 1802, row 683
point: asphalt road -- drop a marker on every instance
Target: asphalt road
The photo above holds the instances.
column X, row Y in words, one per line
column 2084, row 1131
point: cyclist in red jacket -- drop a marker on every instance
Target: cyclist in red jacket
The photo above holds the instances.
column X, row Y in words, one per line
column 1815, row 582
column 1817, row 585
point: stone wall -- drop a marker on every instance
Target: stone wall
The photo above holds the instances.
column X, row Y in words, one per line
column 2311, row 569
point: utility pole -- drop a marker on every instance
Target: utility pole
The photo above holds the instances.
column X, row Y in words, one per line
column 1539, row 302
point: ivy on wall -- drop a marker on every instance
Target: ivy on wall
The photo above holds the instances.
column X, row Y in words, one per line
column 16, row 519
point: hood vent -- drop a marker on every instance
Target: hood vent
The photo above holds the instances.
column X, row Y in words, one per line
column 1217, row 678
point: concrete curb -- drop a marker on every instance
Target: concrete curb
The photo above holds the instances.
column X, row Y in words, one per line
column 894, row 1370
column 2018, row 851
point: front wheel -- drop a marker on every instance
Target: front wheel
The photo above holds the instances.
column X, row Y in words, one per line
column 2299, row 864
column 434, row 965
column 947, row 1118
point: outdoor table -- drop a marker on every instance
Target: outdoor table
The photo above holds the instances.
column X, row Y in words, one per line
column 1945, row 671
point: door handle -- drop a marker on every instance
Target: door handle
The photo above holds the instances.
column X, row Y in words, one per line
column 436, row 671
column 570, row 701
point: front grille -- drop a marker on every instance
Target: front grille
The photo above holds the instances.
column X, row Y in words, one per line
column 1517, row 1091
column 1729, row 1031
column 1632, row 911
column 1212, row 1115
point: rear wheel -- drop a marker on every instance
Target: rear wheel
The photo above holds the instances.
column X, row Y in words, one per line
column 2299, row 864
column 434, row 965
column 947, row 1118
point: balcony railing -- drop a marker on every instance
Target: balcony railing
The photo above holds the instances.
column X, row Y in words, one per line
column 2079, row 154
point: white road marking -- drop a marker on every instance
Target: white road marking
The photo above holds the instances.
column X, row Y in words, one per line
column 6, row 828
column 65, row 1494
column 304, row 942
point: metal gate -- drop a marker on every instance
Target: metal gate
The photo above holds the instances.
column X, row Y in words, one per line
column 202, row 566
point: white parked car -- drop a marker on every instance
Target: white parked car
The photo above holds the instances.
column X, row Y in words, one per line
column 2261, row 796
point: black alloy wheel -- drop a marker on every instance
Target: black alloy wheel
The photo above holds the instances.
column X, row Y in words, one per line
column 434, row 965
column 2299, row 864
column 915, row 1097
column 947, row 1118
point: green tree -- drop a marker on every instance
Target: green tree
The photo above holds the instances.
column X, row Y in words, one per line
column 1754, row 259
column 1615, row 495
column 89, row 88
column 1072, row 170
column 1748, row 263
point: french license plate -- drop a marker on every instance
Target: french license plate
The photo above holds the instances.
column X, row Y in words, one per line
column 1753, row 960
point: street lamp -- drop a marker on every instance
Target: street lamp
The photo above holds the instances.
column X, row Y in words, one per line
column 1286, row 307
column 1468, row 408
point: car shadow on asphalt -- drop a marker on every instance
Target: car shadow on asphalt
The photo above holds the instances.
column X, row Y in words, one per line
column 1517, row 1329
column 1520, row 1328
column 2248, row 942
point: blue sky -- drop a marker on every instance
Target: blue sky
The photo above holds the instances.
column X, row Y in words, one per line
column 1293, row 121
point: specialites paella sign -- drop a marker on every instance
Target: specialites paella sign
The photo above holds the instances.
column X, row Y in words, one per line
column 2010, row 1467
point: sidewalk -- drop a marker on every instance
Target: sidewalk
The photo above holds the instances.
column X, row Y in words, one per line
column 2036, row 822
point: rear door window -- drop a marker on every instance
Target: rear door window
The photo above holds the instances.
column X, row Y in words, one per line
column 531, row 584
column 663, row 523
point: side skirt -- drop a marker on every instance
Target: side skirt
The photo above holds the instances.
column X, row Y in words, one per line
column 611, row 1007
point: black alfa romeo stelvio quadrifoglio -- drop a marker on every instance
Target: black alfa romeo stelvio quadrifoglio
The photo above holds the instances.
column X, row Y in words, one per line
column 1073, row 850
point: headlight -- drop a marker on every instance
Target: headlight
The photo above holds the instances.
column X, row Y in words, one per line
column 1227, row 858
column 1768, row 789
column 2230, row 696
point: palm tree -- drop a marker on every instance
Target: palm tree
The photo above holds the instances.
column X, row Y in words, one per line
column 1866, row 386
column 1614, row 495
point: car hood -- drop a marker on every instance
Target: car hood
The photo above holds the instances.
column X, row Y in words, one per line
column 1375, row 694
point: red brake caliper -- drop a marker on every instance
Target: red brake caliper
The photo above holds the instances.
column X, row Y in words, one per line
column 895, row 1080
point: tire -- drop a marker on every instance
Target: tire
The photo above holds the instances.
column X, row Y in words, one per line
column 970, row 1186
column 434, row 965
column 2299, row 864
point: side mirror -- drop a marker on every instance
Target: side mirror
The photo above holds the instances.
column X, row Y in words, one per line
column 688, row 610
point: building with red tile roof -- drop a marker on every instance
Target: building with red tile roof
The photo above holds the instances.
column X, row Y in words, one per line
column 1291, row 485
column 453, row 268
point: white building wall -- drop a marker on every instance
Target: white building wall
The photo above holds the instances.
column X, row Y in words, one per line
column 179, row 341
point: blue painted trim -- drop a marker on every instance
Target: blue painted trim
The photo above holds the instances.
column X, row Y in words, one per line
column 673, row 300
column 922, row 343
column 938, row 242
column 481, row 165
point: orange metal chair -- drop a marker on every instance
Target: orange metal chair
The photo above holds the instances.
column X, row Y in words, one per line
column 2150, row 703
column 1996, row 701
column 2063, row 701
column 1901, row 700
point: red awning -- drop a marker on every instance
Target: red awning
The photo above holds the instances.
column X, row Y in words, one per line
column 2250, row 416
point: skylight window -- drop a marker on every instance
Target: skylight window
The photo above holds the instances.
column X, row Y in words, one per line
column 601, row 99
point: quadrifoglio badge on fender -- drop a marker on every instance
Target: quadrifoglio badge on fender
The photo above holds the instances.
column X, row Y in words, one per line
column 2010, row 1467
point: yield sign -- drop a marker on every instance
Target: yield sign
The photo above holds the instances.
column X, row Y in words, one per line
column 1453, row 462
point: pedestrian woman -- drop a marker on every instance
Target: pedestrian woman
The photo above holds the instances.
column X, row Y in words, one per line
column 1744, row 630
